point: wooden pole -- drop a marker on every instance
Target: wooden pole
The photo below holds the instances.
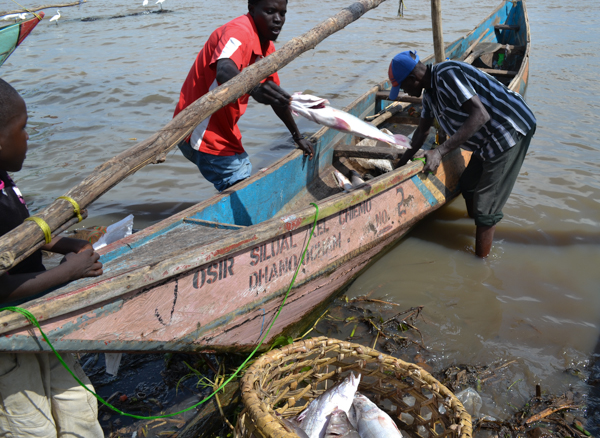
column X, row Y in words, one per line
column 28, row 237
column 438, row 38
column 39, row 8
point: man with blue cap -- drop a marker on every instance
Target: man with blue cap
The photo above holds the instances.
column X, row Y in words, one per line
column 481, row 115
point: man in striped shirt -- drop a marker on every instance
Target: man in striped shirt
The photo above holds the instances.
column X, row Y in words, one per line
column 478, row 113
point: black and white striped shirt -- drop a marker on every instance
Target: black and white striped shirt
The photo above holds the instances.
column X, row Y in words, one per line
column 453, row 83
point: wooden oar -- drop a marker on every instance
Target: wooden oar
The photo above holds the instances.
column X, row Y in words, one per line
column 28, row 237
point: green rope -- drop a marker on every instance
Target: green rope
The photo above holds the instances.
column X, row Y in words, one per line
column 27, row 314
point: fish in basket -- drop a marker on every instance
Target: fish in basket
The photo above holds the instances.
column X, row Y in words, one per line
column 324, row 387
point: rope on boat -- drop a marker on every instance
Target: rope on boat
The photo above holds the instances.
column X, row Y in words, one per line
column 32, row 319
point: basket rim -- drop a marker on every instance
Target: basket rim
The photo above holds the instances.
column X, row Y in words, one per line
column 254, row 406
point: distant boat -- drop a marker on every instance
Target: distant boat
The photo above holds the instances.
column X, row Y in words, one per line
column 213, row 276
column 13, row 34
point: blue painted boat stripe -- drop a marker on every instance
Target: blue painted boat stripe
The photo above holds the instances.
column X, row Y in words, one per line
column 424, row 190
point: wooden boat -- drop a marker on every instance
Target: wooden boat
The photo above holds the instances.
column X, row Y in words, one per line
column 212, row 277
column 13, row 34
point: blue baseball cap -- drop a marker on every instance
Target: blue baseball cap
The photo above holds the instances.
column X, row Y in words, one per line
column 401, row 66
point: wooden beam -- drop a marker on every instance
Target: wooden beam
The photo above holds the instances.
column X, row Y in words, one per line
column 494, row 72
column 39, row 8
column 377, row 152
column 438, row 38
column 385, row 95
column 405, row 120
column 28, row 237
column 472, row 46
column 506, row 27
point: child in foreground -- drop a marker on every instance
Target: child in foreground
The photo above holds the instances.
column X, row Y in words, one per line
column 38, row 397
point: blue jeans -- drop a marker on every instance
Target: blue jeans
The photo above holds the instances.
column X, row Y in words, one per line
column 221, row 171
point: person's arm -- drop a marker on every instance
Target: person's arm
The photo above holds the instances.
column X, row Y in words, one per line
column 418, row 138
column 73, row 267
column 65, row 245
column 286, row 117
column 268, row 93
column 478, row 116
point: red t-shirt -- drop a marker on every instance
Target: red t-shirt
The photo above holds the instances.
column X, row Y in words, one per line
column 237, row 40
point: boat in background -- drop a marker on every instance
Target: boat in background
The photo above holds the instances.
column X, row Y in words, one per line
column 13, row 34
column 213, row 277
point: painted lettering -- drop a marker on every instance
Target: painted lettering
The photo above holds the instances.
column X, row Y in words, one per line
column 401, row 209
column 212, row 273
column 254, row 255
column 202, row 274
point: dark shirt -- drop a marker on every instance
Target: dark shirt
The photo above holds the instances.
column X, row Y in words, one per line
column 453, row 83
column 13, row 211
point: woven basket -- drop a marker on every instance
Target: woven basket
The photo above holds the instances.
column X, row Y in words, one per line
column 281, row 383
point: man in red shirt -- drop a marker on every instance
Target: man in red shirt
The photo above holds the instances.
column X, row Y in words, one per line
column 215, row 145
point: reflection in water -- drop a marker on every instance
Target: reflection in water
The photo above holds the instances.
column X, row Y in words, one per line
column 95, row 88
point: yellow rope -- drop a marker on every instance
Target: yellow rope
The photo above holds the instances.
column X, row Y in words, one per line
column 75, row 206
column 31, row 12
column 43, row 225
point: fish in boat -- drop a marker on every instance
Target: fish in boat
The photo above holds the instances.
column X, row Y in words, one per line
column 212, row 277
column 313, row 420
column 13, row 34
column 371, row 421
column 339, row 426
column 343, row 182
column 318, row 110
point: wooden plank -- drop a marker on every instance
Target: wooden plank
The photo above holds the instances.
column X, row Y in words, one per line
column 385, row 95
column 212, row 224
column 436, row 25
column 472, row 46
column 404, row 120
column 473, row 56
column 506, row 27
column 376, row 152
column 495, row 72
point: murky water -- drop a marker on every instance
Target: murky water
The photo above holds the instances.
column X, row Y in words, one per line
column 94, row 88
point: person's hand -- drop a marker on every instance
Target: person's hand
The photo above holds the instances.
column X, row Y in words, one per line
column 269, row 93
column 306, row 147
column 82, row 264
column 433, row 158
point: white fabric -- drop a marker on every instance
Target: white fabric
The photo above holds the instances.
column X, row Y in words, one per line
column 39, row 398
column 230, row 48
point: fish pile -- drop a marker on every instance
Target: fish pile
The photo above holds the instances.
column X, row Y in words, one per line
column 342, row 412
column 318, row 110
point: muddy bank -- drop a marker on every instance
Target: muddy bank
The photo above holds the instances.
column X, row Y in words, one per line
column 152, row 385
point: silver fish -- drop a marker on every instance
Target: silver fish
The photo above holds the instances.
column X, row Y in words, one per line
column 356, row 179
column 372, row 422
column 339, row 426
column 313, row 419
column 293, row 426
column 342, row 181
column 316, row 109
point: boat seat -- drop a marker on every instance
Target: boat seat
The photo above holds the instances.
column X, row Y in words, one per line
column 495, row 72
column 507, row 27
column 374, row 152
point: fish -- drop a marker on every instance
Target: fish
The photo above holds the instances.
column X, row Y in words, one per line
column 318, row 110
column 293, row 426
column 313, row 420
column 372, row 422
column 342, row 181
column 356, row 179
column 339, row 426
